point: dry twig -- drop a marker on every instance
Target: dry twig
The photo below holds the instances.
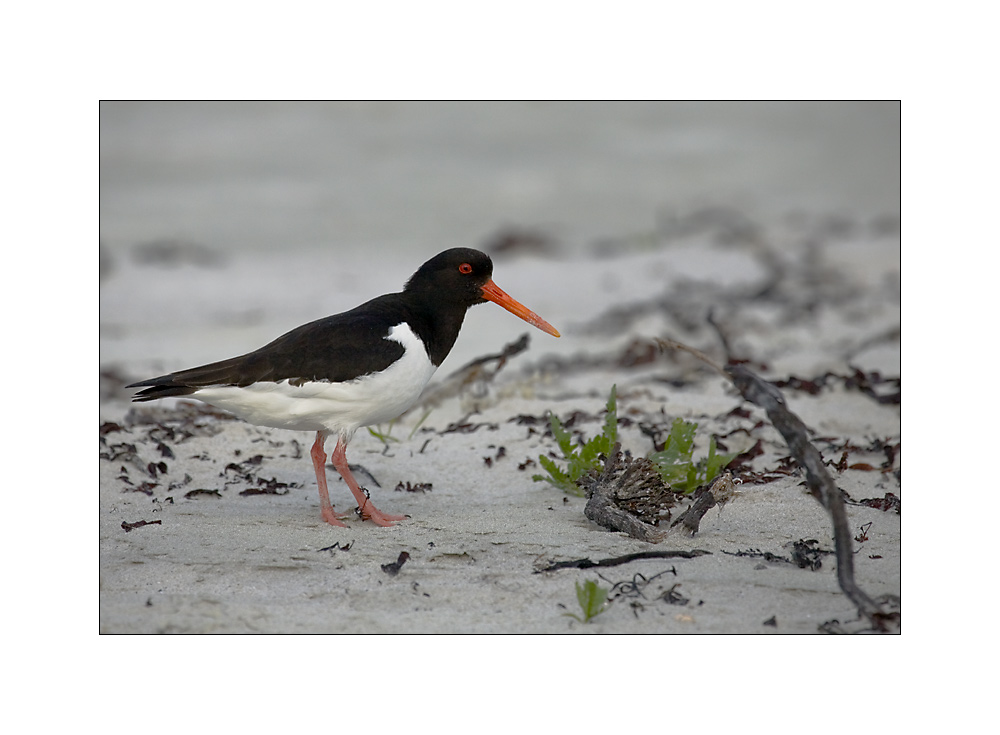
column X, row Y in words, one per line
column 766, row 395
column 756, row 390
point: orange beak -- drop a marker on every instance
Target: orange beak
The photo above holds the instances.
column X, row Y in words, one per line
column 492, row 292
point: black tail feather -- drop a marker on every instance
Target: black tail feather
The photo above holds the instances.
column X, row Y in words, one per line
column 160, row 391
column 186, row 382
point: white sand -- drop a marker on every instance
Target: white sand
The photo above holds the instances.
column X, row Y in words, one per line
column 256, row 564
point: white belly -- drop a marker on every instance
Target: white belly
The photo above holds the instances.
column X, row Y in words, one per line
column 340, row 408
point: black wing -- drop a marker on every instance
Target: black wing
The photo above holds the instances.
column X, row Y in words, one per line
column 334, row 349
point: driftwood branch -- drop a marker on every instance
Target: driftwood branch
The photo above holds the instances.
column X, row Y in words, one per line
column 720, row 492
column 756, row 390
column 766, row 395
column 623, row 493
column 628, row 494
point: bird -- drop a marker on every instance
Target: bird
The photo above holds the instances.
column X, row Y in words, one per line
column 359, row 368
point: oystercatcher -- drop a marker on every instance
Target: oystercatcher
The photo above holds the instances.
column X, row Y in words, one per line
column 362, row 367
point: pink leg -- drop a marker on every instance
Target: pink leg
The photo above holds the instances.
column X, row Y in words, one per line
column 319, row 464
column 368, row 511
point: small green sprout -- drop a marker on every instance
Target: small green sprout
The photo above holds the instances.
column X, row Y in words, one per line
column 580, row 459
column 386, row 436
column 383, row 436
column 592, row 598
column 420, row 422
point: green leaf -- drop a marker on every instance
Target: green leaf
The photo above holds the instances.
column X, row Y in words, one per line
column 556, row 476
column 676, row 462
column 611, row 420
column 592, row 599
column 420, row 423
column 715, row 461
column 563, row 438
column 580, row 459
column 386, row 437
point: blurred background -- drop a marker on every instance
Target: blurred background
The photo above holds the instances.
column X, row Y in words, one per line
column 224, row 225
column 397, row 176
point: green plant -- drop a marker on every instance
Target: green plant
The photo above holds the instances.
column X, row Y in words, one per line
column 675, row 462
column 420, row 423
column 592, row 598
column 384, row 437
column 583, row 458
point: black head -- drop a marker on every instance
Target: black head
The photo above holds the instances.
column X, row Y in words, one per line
column 464, row 277
column 457, row 276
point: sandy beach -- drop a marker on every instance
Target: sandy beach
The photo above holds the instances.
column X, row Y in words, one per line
column 212, row 525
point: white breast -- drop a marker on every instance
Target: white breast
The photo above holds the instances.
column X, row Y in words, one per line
column 334, row 407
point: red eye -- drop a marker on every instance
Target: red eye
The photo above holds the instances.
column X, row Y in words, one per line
column 465, row 268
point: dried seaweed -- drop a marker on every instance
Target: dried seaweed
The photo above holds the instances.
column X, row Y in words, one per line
column 336, row 546
column 187, row 418
column 467, row 427
column 866, row 383
column 128, row 527
column 143, row 487
column 617, row 560
column 202, row 491
column 804, row 554
column 889, row 502
column 267, row 487
column 418, row 487
column 392, row 569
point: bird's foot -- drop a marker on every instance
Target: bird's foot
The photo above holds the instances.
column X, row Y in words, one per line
column 370, row 513
column 333, row 518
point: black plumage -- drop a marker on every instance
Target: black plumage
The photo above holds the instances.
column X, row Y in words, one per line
column 349, row 345
column 342, row 372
